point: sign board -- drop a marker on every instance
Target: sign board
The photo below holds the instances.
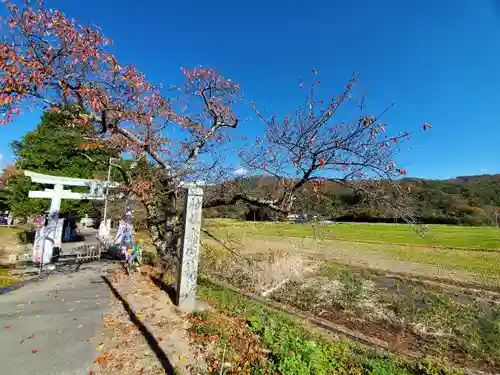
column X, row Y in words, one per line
column 59, row 233
column 38, row 245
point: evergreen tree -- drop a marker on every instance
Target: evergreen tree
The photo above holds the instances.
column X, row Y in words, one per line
column 55, row 147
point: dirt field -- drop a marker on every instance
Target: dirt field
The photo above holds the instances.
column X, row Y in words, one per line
column 479, row 267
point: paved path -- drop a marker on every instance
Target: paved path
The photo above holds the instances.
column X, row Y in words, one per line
column 61, row 313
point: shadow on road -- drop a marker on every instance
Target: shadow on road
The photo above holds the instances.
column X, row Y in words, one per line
column 169, row 289
column 152, row 342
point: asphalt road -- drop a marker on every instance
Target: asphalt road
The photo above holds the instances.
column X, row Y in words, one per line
column 52, row 327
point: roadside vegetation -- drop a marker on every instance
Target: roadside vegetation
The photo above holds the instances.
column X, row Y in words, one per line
column 253, row 339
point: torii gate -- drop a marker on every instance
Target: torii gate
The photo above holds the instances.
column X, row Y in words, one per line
column 98, row 191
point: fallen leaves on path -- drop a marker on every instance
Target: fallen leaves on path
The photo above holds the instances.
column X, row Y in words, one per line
column 126, row 350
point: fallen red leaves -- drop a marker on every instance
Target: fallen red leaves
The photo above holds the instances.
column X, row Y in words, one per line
column 247, row 348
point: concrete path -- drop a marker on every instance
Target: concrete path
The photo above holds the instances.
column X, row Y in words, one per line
column 59, row 319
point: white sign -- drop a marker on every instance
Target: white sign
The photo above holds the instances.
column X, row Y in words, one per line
column 38, row 245
column 59, row 232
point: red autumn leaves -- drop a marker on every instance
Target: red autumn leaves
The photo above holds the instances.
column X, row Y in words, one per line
column 49, row 46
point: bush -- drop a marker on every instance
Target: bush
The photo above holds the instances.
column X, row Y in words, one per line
column 149, row 258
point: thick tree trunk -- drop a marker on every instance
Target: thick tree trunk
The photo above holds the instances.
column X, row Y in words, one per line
column 164, row 225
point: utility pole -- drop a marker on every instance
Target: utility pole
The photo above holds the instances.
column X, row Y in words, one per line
column 106, row 195
column 107, row 191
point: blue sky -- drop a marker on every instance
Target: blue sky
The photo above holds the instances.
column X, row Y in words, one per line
column 439, row 60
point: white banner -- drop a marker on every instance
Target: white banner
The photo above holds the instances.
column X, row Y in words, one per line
column 38, row 245
column 59, row 233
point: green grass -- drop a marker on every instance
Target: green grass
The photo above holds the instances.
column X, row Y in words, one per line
column 437, row 235
column 477, row 266
column 5, row 279
column 483, row 266
column 9, row 232
column 9, row 236
column 295, row 350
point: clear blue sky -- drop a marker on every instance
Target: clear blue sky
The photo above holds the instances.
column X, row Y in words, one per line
column 439, row 60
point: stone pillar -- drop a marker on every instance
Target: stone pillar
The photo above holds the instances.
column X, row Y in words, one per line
column 190, row 246
column 51, row 228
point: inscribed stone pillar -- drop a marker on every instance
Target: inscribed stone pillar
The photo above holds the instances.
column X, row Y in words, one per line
column 190, row 246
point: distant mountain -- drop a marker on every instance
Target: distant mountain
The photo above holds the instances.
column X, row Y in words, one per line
column 483, row 178
column 464, row 200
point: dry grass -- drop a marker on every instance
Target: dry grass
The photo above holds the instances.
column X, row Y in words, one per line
column 261, row 272
column 10, row 243
column 439, row 321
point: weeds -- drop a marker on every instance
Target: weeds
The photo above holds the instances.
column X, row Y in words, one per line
column 407, row 315
column 292, row 349
column 438, row 322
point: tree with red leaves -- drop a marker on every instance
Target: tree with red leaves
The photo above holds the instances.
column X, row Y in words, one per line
column 51, row 62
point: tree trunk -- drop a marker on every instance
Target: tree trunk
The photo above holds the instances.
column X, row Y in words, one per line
column 164, row 225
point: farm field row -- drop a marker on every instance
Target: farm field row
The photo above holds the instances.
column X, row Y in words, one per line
column 434, row 235
column 469, row 266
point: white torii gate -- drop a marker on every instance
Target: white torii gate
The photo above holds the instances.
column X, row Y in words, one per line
column 97, row 192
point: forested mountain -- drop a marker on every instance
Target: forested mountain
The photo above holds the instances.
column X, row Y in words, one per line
column 464, row 200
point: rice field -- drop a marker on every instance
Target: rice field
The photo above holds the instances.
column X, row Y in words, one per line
column 433, row 235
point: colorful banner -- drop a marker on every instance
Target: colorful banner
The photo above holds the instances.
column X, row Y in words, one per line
column 124, row 238
column 124, row 234
column 39, row 239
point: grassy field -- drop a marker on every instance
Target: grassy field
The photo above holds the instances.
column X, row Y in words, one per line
column 8, row 233
column 396, row 248
column 436, row 235
column 448, row 322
